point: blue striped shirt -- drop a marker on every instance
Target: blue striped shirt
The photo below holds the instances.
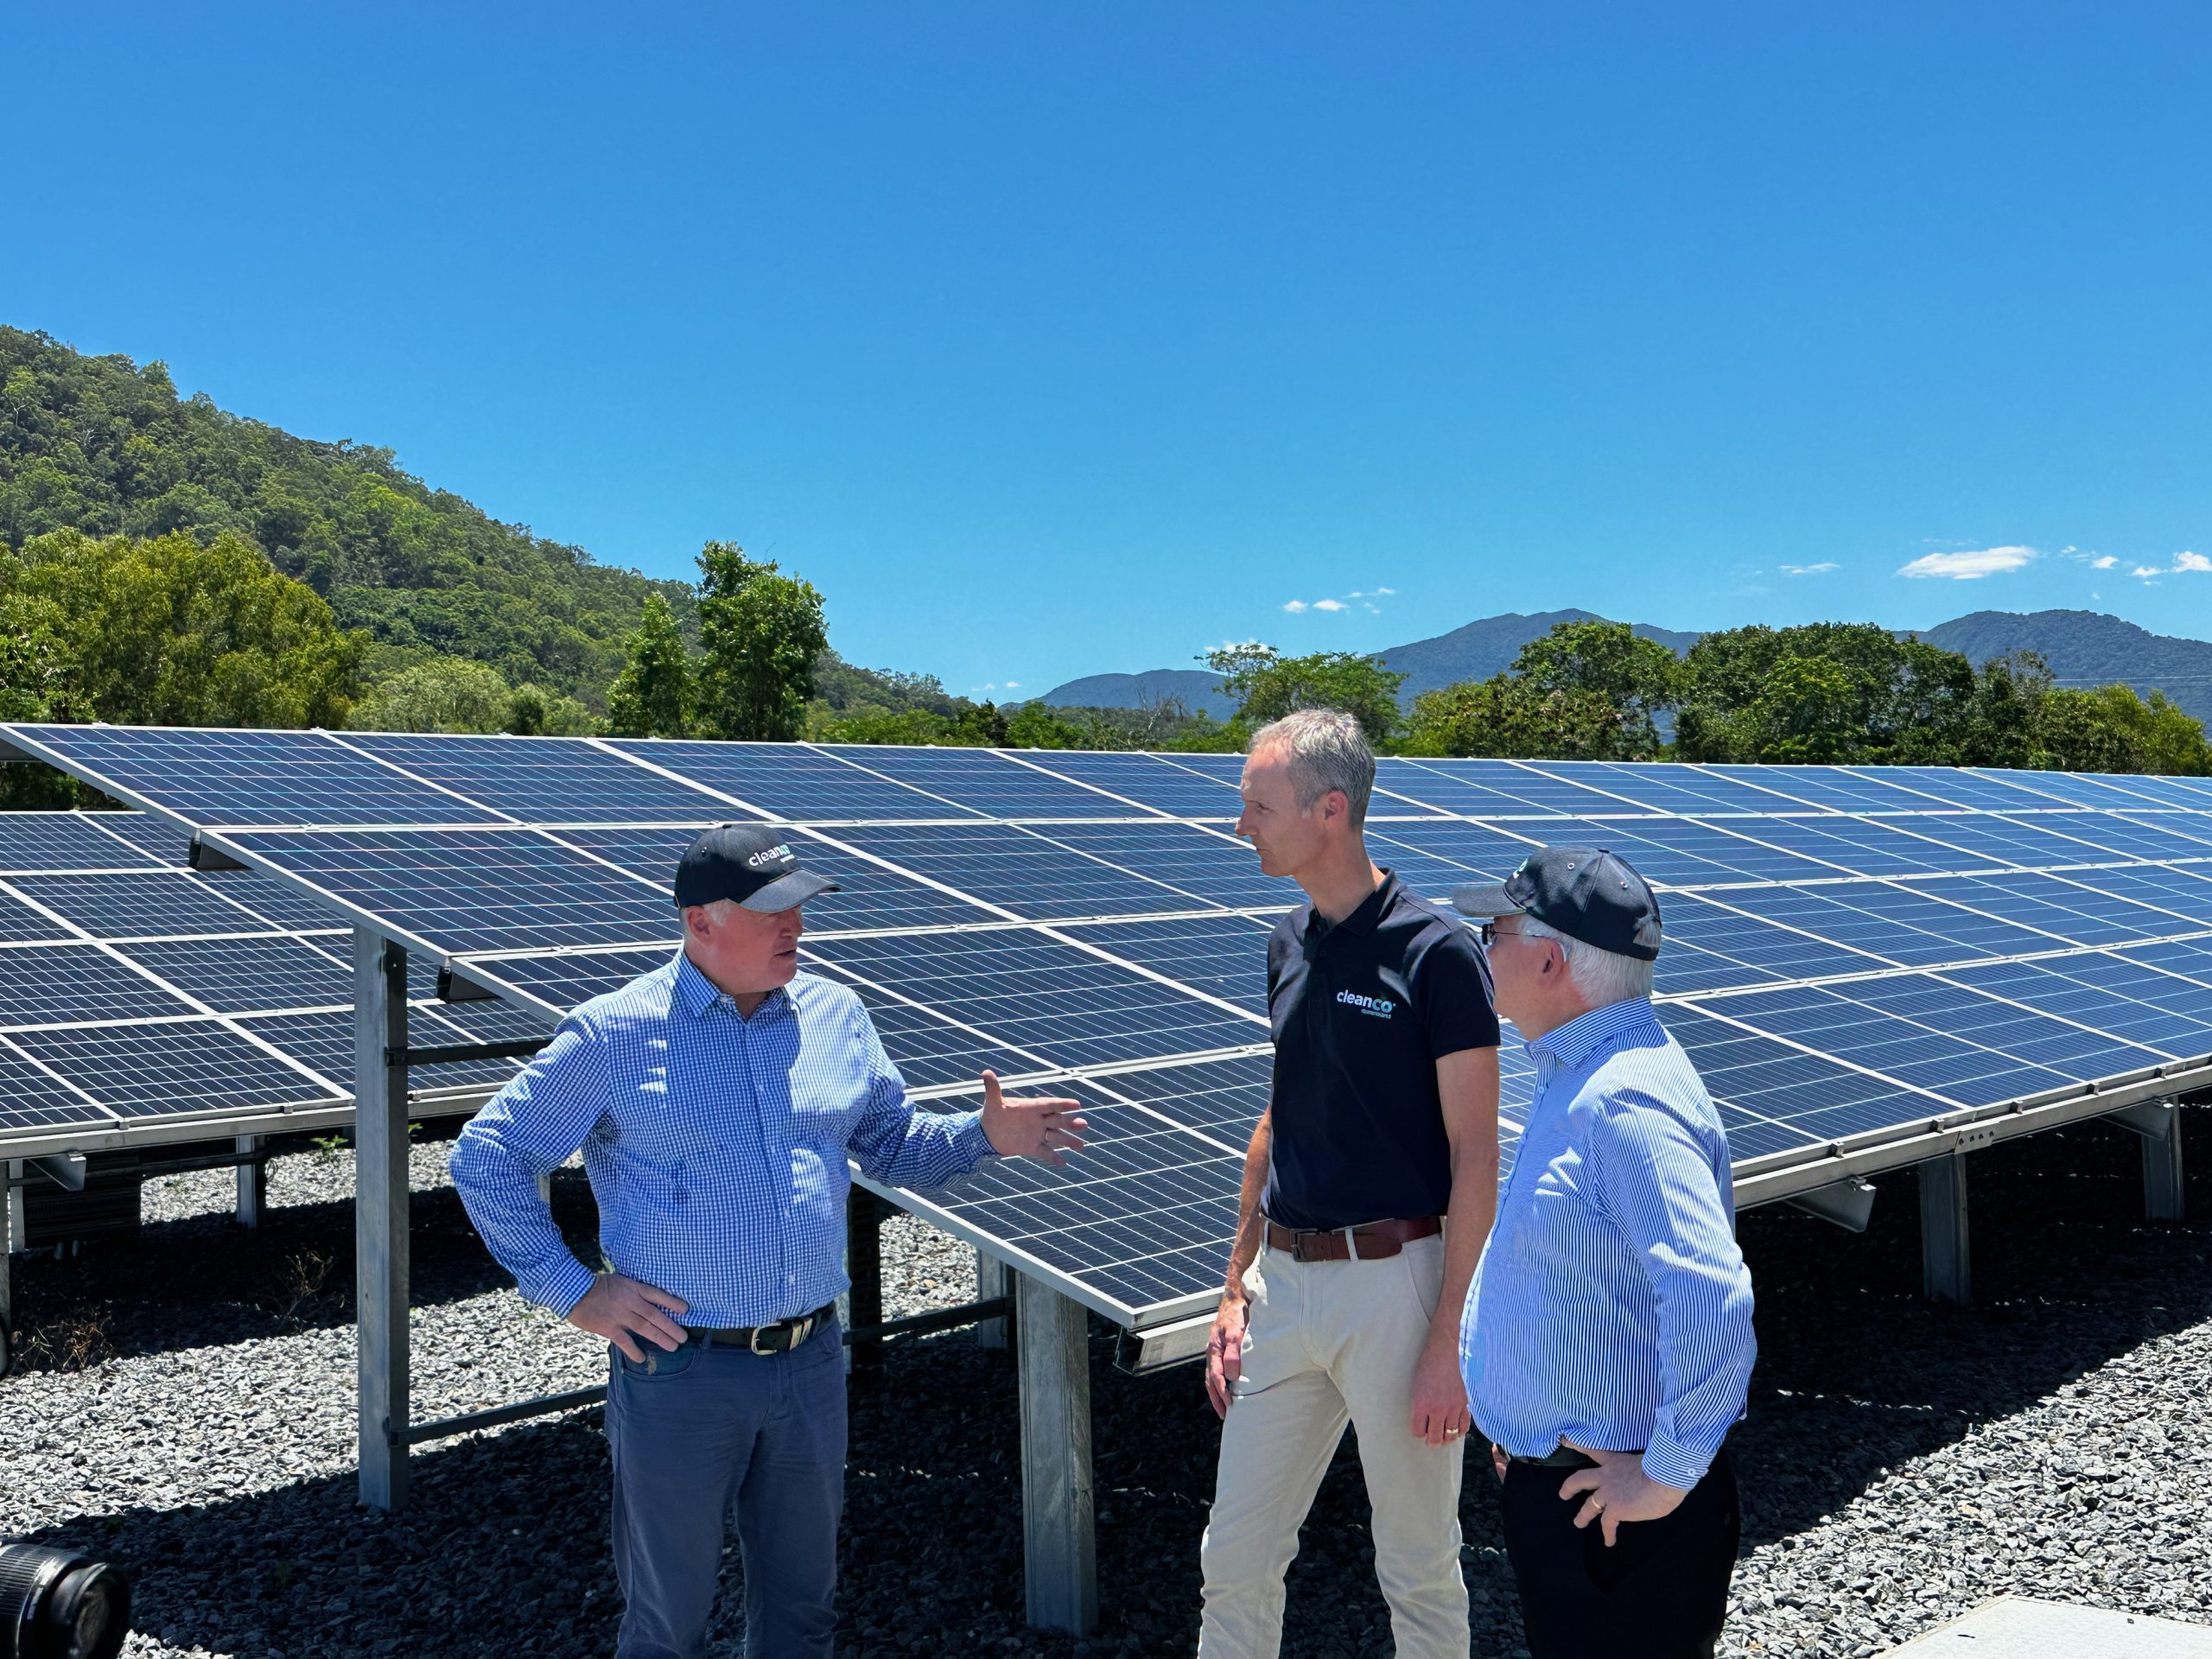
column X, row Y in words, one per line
column 1611, row 1307
column 716, row 1145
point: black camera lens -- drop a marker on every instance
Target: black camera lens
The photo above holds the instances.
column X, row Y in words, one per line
column 56, row 1605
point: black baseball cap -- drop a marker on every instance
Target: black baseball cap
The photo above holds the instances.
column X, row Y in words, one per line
column 1587, row 893
column 748, row 863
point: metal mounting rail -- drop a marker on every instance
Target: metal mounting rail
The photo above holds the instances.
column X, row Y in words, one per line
column 516, row 1048
column 941, row 1319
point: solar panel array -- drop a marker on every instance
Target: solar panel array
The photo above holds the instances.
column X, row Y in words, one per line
column 134, row 988
column 1852, row 954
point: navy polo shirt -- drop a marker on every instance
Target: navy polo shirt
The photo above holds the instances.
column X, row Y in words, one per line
column 1362, row 1009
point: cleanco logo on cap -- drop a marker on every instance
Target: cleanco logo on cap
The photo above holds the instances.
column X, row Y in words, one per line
column 779, row 854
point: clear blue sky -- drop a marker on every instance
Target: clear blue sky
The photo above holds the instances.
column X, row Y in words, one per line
column 1050, row 340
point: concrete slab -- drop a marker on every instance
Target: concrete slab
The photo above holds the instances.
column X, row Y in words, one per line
column 2018, row 1627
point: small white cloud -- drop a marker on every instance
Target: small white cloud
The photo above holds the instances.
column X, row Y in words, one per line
column 2069, row 548
column 1968, row 567
column 1808, row 570
column 1330, row 604
column 1372, row 610
column 1390, row 592
column 2148, row 572
column 1013, row 685
column 2190, row 561
column 1296, row 606
column 2103, row 562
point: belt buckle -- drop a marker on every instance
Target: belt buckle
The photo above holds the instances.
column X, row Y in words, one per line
column 753, row 1342
column 1298, row 1237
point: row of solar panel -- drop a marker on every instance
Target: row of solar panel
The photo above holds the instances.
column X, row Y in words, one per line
column 265, row 778
column 131, row 988
column 1147, row 1215
column 468, row 892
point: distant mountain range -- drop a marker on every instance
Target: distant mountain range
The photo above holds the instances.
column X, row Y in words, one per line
column 2082, row 647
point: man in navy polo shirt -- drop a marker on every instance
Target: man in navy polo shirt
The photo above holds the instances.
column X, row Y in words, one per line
column 1369, row 1190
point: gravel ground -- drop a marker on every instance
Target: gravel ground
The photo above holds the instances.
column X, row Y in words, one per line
column 188, row 1414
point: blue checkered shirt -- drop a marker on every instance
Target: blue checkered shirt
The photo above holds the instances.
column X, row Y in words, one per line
column 1611, row 1307
column 715, row 1143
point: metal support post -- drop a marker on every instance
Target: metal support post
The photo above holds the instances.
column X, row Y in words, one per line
column 2158, row 1122
column 380, row 1212
column 254, row 1180
column 991, row 1283
column 1060, row 1556
column 1946, row 1264
column 11, row 1231
column 863, row 1308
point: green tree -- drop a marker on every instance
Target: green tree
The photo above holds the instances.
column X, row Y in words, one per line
column 652, row 696
column 533, row 711
column 446, row 694
column 760, row 633
column 1511, row 716
column 2112, row 728
column 1636, row 677
column 166, row 632
column 1268, row 685
column 1830, row 691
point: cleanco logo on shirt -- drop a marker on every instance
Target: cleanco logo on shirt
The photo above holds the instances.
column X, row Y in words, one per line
column 1382, row 1008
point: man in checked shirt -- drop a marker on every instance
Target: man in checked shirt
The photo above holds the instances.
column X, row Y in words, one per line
column 716, row 1101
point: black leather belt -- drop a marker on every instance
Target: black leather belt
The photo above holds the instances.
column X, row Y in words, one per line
column 778, row 1339
column 1560, row 1458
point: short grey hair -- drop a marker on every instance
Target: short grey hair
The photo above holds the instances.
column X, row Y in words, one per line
column 1326, row 749
column 1602, row 977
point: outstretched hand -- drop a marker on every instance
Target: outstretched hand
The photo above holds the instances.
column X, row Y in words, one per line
column 1045, row 1129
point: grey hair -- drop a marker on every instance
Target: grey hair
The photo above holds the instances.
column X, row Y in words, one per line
column 1326, row 749
column 1602, row 977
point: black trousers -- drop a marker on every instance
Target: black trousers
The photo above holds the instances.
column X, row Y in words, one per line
column 1660, row 1592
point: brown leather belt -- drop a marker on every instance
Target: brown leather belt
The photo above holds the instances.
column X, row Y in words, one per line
column 778, row 1339
column 1371, row 1243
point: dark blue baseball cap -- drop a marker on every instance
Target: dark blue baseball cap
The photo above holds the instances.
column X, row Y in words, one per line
column 749, row 864
column 1587, row 893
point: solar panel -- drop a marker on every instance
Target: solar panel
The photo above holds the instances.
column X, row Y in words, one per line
column 99, row 1029
column 474, row 889
column 1852, row 952
column 545, row 780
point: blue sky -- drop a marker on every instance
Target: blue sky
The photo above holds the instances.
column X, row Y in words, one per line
column 1049, row 340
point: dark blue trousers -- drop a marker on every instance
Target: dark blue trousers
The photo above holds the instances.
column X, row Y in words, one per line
column 693, row 1433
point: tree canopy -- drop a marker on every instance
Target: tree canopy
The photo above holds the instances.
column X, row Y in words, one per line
column 100, row 445
column 1268, row 685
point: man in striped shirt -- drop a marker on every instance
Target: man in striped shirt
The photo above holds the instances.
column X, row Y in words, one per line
column 716, row 1101
column 1607, row 1340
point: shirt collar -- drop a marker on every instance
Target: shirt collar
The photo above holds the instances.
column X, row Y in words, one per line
column 1573, row 1042
column 698, row 994
column 1369, row 910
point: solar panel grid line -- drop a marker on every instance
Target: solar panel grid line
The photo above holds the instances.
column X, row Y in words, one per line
column 2079, row 1025
column 416, row 777
column 1100, row 1070
column 1899, row 1084
column 175, row 991
column 1900, row 969
column 1149, row 812
column 996, row 756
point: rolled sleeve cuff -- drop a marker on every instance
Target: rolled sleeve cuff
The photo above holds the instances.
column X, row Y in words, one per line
column 562, row 1287
column 973, row 1145
column 1672, row 1463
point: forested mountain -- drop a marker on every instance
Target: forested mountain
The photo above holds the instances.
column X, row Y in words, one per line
column 101, row 445
column 2086, row 648
column 1474, row 651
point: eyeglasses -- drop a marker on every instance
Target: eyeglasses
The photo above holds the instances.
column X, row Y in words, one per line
column 1488, row 933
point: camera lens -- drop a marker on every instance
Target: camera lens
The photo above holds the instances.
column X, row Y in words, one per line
column 56, row 1605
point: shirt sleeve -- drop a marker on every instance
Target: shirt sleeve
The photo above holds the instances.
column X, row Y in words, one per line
column 1657, row 1183
column 1451, row 986
column 528, row 1129
column 894, row 1143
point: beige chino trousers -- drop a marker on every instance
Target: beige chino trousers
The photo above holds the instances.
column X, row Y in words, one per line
column 1329, row 1342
